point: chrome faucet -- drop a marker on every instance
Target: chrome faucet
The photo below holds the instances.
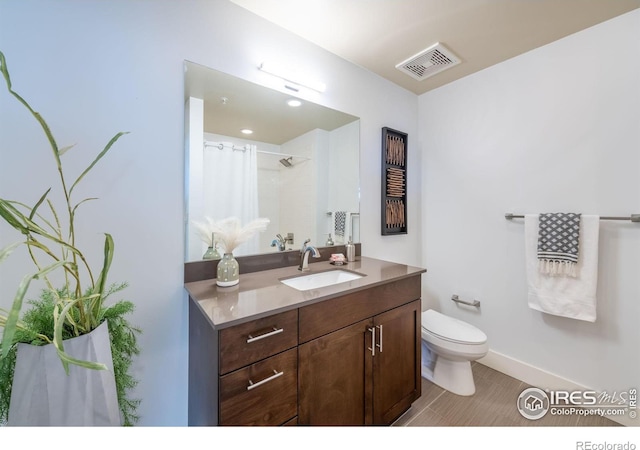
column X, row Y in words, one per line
column 304, row 255
column 279, row 242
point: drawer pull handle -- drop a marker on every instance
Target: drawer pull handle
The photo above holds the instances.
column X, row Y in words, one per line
column 275, row 375
column 380, row 344
column 265, row 335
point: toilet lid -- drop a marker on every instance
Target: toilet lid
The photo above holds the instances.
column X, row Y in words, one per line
column 451, row 329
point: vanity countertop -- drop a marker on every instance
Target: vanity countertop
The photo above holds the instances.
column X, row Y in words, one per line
column 261, row 294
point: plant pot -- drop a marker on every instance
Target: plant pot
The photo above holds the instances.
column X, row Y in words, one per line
column 228, row 271
column 43, row 394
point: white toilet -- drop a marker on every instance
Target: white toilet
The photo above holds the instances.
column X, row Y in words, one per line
column 448, row 347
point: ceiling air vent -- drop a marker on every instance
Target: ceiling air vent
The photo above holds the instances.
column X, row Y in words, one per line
column 429, row 62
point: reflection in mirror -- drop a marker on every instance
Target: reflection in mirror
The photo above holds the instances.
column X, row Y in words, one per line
column 299, row 167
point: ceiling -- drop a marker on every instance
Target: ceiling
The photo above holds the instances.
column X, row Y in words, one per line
column 379, row 34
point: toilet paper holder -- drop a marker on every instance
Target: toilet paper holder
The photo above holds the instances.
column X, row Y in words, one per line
column 457, row 299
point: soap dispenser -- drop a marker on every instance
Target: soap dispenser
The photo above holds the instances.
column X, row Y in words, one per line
column 350, row 250
column 329, row 241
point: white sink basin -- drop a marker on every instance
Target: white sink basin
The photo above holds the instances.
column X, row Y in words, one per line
column 321, row 279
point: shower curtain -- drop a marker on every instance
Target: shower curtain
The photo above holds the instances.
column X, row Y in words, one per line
column 230, row 184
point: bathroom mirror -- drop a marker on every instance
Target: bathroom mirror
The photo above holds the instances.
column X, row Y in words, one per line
column 299, row 168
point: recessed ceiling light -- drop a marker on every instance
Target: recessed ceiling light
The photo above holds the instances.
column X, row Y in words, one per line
column 246, row 131
column 294, row 103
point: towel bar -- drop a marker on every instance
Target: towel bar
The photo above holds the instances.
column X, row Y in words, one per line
column 456, row 299
column 632, row 217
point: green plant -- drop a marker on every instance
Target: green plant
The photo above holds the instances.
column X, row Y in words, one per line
column 76, row 308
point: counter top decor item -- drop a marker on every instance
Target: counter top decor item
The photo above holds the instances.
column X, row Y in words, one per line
column 66, row 361
column 208, row 237
column 230, row 234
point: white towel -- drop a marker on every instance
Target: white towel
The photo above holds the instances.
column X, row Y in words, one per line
column 573, row 297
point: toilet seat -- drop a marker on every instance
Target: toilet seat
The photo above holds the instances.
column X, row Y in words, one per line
column 450, row 329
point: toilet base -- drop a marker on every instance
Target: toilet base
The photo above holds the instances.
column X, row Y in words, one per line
column 454, row 376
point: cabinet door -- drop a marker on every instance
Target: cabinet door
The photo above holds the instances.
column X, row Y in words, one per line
column 334, row 377
column 396, row 365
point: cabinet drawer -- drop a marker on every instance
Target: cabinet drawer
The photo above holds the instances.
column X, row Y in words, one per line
column 327, row 316
column 252, row 341
column 265, row 393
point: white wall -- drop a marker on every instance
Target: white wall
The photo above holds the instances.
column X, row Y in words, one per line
column 556, row 129
column 93, row 68
column 298, row 187
column 343, row 190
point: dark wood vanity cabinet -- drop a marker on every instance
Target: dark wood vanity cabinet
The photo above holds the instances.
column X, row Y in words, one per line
column 349, row 360
column 243, row 375
column 367, row 372
column 396, row 366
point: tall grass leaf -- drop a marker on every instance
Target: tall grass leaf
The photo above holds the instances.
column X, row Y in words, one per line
column 38, row 203
column 98, row 158
column 64, row 150
column 37, row 214
column 108, row 257
column 4, row 70
column 27, row 226
column 58, row 228
column 5, row 252
column 38, row 117
column 68, row 359
column 7, row 212
column 73, row 212
column 16, row 218
column 58, row 342
column 14, row 313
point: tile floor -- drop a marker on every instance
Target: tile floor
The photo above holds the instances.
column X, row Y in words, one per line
column 493, row 404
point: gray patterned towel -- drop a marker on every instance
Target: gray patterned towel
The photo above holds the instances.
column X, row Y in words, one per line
column 340, row 223
column 558, row 239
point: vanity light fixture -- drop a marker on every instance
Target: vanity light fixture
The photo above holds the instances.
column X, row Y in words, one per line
column 246, row 131
column 294, row 103
column 292, row 76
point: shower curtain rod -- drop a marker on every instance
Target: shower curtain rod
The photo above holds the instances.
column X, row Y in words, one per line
column 220, row 146
column 632, row 217
column 283, row 154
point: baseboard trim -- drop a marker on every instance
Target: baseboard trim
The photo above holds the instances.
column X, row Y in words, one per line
column 540, row 378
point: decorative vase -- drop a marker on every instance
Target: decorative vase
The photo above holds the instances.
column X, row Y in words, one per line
column 228, row 271
column 211, row 253
column 43, row 394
